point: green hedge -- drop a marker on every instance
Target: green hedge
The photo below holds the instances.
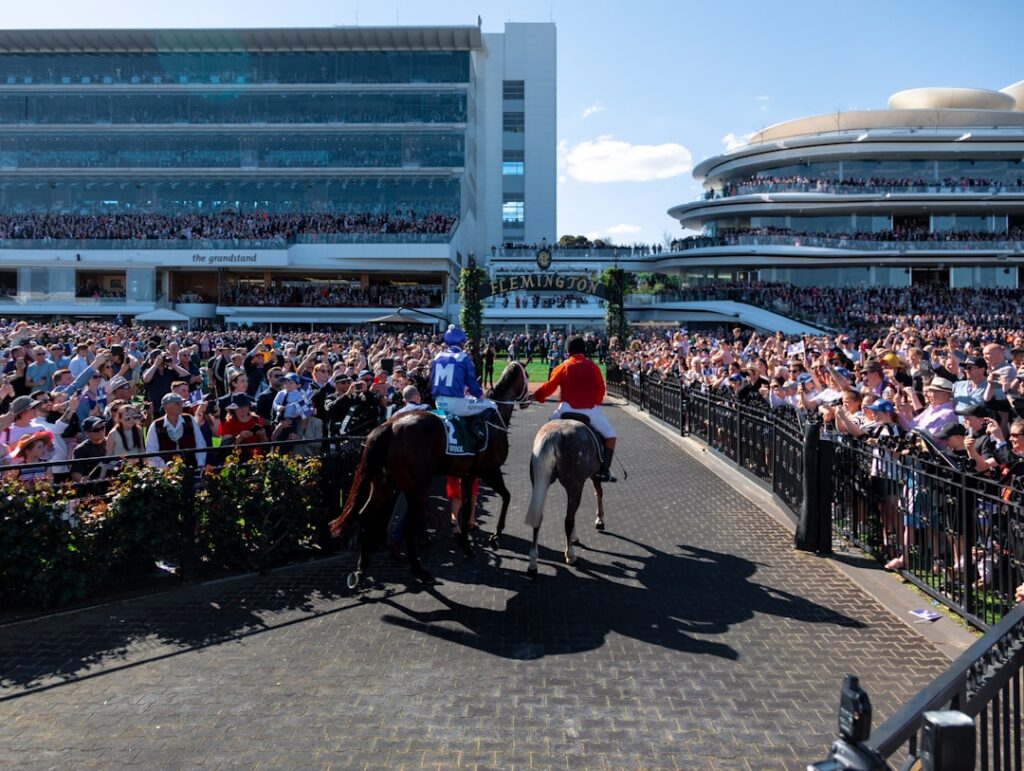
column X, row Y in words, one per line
column 251, row 514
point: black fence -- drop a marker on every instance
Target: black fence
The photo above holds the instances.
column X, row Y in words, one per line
column 765, row 442
column 984, row 683
column 958, row 535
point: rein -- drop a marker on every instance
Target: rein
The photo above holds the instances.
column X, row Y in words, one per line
column 524, row 393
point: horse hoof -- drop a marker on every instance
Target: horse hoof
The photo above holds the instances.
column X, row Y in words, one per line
column 576, row 542
column 352, row 581
column 570, row 559
column 599, row 525
column 494, row 540
column 531, row 573
column 424, row 577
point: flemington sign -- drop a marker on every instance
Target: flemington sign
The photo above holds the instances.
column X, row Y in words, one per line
column 542, row 282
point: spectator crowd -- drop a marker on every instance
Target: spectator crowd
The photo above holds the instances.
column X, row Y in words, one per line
column 800, row 183
column 255, row 226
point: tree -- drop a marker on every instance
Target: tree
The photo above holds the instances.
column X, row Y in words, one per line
column 614, row 282
column 471, row 317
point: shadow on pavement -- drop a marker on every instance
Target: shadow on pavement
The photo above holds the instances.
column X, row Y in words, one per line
column 669, row 600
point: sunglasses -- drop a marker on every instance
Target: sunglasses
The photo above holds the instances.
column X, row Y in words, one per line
column 1016, row 435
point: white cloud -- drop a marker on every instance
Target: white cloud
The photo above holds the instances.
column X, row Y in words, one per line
column 606, row 159
column 762, row 98
column 733, row 142
column 595, row 107
column 622, row 229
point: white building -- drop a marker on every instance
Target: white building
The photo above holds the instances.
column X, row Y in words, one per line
column 268, row 175
column 928, row 191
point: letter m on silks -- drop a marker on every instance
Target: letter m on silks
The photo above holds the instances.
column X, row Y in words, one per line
column 444, row 374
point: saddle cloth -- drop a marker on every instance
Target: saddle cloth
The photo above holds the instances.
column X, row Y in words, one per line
column 461, row 440
column 599, row 440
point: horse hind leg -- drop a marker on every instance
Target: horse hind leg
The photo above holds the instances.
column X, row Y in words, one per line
column 599, row 494
column 570, row 523
column 496, row 481
column 413, row 524
column 531, row 568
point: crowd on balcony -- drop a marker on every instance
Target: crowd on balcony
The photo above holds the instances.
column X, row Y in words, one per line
column 769, row 234
column 255, row 226
column 99, row 292
column 525, row 300
column 804, row 184
column 334, row 295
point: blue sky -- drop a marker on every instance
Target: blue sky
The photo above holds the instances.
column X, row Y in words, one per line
column 649, row 87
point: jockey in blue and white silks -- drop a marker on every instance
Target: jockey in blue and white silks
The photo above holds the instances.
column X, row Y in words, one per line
column 452, row 375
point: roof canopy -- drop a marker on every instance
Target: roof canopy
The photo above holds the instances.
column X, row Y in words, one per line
column 241, row 40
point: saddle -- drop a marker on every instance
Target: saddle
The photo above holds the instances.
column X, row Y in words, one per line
column 585, row 420
column 467, row 435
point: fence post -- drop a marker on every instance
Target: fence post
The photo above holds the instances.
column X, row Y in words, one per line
column 188, row 524
column 642, row 399
column 683, row 396
column 739, row 429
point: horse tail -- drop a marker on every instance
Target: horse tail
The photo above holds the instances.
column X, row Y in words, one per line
column 542, row 474
column 371, row 464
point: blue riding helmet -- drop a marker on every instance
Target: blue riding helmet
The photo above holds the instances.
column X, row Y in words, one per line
column 454, row 335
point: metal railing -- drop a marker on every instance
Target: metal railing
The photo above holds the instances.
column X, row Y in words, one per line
column 840, row 188
column 764, row 442
column 959, row 534
column 849, row 242
column 985, row 684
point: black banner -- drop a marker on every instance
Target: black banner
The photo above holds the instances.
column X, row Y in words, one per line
column 532, row 282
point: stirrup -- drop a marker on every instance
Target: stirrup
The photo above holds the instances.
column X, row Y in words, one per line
column 605, row 476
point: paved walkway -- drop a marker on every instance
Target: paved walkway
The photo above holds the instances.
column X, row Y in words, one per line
column 690, row 635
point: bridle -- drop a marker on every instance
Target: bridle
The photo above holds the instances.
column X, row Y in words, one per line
column 524, row 394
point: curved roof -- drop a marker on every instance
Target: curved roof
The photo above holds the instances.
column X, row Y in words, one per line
column 1016, row 90
column 35, row 41
column 951, row 99
column 864, row 120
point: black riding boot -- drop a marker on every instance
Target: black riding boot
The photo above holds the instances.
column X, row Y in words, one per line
column 604, row 474
column 478, row 428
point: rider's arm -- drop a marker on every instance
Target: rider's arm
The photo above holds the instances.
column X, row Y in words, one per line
column 542, row 393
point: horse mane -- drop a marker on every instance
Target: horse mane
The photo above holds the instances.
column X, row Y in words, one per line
column 504, row 386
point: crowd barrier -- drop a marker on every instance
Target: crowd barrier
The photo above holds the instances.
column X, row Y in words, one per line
column 961, row 534
column 964, row 536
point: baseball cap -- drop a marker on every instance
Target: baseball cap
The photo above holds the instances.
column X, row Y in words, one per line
column 736, row 377
column 341, row 377
column 950, row 429
column 92, row 423
column 240, row 401
column 804, row 377
column 975, row 361
column 365, row 373
column 881, row 405
column 171, row 397
column 842, row 371
column 21, row 404
column 973, row 410
column 292, row 378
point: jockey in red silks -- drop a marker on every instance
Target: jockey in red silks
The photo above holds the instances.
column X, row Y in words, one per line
column 582, row 391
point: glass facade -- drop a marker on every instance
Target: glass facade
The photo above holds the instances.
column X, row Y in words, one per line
column 394, row 163
column 231, row 150
column 162, row 107
column 98, row 69
column 1006, row 172
column 107, row 194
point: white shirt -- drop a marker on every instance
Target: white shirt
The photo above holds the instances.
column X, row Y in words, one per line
column 153, row 442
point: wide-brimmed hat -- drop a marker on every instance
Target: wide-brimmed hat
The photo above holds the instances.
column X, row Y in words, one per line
column 939, row 384
column 118, row 382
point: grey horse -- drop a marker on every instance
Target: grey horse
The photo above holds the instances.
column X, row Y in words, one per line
column 568, row 451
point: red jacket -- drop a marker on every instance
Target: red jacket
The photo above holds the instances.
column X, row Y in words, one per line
column 580, row 380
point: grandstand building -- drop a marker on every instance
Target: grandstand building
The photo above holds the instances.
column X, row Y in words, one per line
column 268, row 175
column 928, row 191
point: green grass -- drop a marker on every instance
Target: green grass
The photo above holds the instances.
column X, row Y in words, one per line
column 536, row 370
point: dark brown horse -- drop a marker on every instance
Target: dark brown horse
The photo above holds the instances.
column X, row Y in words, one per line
column 406, row 454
